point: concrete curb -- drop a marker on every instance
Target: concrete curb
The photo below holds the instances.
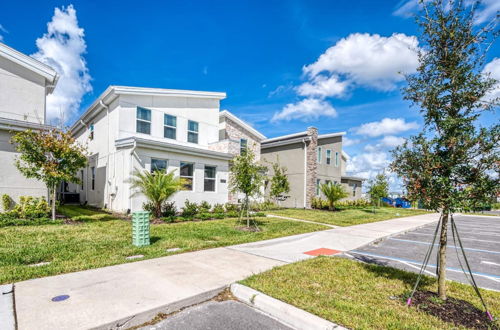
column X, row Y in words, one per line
column 7, row 313
column 146, row 316
column 283, row 312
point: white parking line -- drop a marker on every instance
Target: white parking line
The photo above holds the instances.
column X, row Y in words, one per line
column 489, row 263
column 462, row 238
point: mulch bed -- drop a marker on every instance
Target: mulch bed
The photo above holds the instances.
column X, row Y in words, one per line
column 459, row 312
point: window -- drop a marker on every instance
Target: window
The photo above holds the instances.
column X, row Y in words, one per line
column 210, row 173
column 243, row 146
column 170, row 126
column 92, row 169
column 320, row 150
column 91, row 129
column 354, row 186
column 336, row 159
column 143, row 120
column 81, row 180
column 187, row 175
column 328, row 181
column 158, row 165
column 318, row 182
column 328, row 156
column 192, row 131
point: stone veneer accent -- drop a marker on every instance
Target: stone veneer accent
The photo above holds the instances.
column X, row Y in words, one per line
column 312, row 165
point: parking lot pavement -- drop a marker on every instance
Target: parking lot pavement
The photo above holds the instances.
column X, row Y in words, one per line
column 227, row 315
column 481, row 239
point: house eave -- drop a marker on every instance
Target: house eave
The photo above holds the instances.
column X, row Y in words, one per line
column 253, row 131
column 165, row 146
column 19, row 125
column 354, row 178
column 330, row 135
column 285, row 142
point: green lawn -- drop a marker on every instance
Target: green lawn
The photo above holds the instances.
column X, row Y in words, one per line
column 358, row 295
column 347, row 217
column 101, row 240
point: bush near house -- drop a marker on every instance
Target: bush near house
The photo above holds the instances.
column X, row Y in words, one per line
column 321, row 204
column 29, row 211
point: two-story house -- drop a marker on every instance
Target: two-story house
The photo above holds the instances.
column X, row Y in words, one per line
column 311, row 159
column 24, row 85
column 130, row 129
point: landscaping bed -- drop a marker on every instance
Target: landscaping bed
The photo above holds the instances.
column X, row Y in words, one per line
column 100, row 239
column 363, row 296
column 348, row 217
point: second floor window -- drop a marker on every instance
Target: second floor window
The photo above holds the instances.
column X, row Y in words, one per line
column 143, row 120
column 170, row 126
column 158, row 165
column 320, row 150
column 91, row 129
column 328, row 157
column 192, row 131
column 243, row 146
column 187, row 171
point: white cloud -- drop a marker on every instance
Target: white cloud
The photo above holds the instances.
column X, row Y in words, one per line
column 369, row 60
column 392, row 141
column 62, row 47
column 323, row 86
column 306, row 110
column 2, row 30
column 485, row 12
column 346, row 142
column 385, row 127
column 493, row 69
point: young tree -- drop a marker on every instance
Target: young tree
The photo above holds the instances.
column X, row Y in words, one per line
column 158, row 187
column 51, row 156
column 333, row 193
column 246, row 177
column 452, row 163
column 279, row 182
column 378, row 188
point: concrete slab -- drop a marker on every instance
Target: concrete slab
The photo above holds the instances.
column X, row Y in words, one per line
column 7, row 316
column 292, row 248
column 130, row 294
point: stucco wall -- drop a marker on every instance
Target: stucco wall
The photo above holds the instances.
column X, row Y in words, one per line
column 22, row 93
column 12, row 182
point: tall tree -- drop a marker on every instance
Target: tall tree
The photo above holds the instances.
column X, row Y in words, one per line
column 279, row 182
column 378, row 188
column 453, row 163
column 246, row 177
column 51, row 156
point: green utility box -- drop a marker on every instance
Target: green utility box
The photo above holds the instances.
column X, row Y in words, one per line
column 140, row 228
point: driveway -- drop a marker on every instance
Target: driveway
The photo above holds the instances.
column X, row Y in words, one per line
column 481, row 239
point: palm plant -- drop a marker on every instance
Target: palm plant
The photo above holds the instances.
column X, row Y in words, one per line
column 333, row 192
column 157, row 187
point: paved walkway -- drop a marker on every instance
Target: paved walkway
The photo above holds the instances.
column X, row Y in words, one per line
column 119, row 296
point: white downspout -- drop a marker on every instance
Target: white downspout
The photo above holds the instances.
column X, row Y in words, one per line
column 305, row 172
column 107, row 157
column 132, row 151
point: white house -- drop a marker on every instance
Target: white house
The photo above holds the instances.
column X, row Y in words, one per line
column 130, row 129
column 24, row 85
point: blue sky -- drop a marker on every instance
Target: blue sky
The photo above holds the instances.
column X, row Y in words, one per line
column 263, row 54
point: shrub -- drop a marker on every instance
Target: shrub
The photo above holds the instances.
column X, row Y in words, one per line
column 169, row 209
column 189, row 210
column 30, row 207
column 204, row 207
column 219, row 215
column 495, row 206
column 232, row 214
column 204, row 216
column 230, row 207
column 218, row 209
column 7, row 202
column 264, row 206
column 7, row 219
column 353, row 204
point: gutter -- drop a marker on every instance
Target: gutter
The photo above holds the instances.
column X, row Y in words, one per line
column 305, row 172
column 131, row 172
column 107, row 160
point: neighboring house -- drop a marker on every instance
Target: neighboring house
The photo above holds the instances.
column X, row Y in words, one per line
column 235, row 137
column 311, row 160
column 24, row 85
column 130, row 129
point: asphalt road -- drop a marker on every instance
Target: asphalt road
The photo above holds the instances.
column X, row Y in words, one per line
column 481, row 239
column 212, row 315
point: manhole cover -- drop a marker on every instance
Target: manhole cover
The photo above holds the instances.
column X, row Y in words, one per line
column 60, row 298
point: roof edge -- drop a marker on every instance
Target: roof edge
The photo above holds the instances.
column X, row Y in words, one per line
column 248, row 127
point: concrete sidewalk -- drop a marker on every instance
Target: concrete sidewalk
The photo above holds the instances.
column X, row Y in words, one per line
column 121, row 296
column 291, row 249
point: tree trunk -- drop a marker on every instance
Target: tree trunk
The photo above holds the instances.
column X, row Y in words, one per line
column 246, row 206
column 443, row 240
column 54, row 202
